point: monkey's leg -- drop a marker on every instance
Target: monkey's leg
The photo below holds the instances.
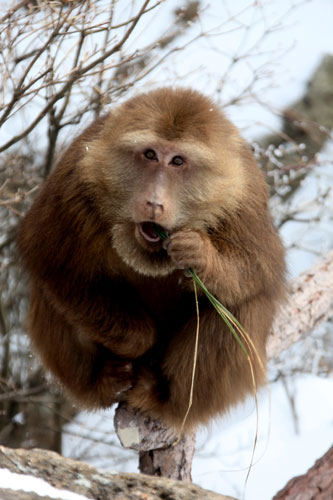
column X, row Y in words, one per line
column 222, row 375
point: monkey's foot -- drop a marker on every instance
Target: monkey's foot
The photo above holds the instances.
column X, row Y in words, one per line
column 149, row 392
column 113, row 382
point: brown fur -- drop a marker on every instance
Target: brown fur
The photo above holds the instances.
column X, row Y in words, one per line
column 112, row 315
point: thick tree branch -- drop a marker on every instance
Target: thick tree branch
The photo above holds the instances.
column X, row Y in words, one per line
column 309, row 303
column 316, row 484
column 82, row 479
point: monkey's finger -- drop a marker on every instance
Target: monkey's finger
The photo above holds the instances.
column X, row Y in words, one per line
column 166, row 243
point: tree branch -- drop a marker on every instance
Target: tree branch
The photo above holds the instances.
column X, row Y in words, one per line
column 310, row 302
column 74, row 76
column 317, row 483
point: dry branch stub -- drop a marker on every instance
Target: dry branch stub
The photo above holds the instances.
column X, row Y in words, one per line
column 161, row 452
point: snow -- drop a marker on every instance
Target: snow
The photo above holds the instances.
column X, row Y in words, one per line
column 281, row 455
column 22, row 482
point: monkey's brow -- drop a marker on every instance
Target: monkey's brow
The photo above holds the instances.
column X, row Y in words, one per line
column 138, row 139
column 198, row 152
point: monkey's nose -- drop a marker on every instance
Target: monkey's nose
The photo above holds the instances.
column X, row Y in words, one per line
column 154, row 210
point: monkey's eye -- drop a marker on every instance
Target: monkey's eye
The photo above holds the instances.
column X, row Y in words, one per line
column 150, row 154
column 177, row 160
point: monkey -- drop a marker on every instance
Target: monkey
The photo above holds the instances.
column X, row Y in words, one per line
column 112, row 310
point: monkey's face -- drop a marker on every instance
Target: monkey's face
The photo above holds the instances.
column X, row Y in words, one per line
column 157, row 199
column 158, row 174
column 154, row 165
column 172, row 184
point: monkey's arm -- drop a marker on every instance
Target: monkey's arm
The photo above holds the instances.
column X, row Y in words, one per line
column 105, row 311
column 233, row 271
column 92, row 374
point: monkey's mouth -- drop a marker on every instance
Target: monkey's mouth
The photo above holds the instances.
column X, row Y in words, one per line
column 152, row 232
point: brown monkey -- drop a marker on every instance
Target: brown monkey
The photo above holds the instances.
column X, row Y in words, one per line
column 112, row 314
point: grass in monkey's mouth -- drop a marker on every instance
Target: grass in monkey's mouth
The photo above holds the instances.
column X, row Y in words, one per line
column 152, row 232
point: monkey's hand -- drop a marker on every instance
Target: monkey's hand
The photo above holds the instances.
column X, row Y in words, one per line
column 191, row 249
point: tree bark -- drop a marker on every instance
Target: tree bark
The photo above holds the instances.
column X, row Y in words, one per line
column 310, row 302
column 61, row 475
column 316, row 484
column 174, row 462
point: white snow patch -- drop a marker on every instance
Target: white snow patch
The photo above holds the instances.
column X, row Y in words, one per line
column 21, row 482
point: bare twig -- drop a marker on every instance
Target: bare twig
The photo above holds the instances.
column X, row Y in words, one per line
column 14, row 9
